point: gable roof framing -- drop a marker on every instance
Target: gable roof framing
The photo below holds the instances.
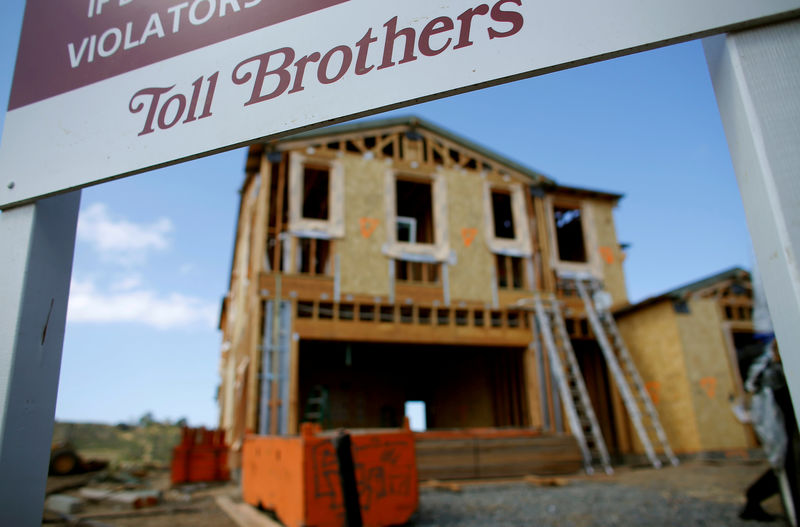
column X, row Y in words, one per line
column 407, row 139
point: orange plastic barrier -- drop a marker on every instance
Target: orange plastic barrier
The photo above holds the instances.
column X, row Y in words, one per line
column 201, row 456
column 299, row 477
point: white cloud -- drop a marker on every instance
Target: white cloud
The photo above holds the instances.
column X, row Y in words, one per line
column 127, row 283
column 121, row 240
column 137, row 305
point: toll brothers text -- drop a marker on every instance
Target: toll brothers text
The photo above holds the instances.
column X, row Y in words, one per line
column 282, row 71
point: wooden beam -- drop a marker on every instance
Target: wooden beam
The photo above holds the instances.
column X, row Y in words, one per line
column 548, row 278
column 276, row 264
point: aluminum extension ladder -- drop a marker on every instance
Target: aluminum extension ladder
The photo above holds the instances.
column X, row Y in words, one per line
column 582, row 419
column 647, row 424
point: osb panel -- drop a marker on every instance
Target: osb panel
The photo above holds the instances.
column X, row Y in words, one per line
column 611, row 256
column 363, row 267
column 652, row 337
column 710, row 377
column 469, row 277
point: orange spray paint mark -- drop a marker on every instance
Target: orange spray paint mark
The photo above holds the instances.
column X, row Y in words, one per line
column 368, row 226
column 607, row 254
column 654, row 390
column 709, row 384
column 468, row 235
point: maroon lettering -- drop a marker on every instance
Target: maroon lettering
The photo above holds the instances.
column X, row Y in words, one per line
column 154, row 94
column 212, row 88
column 300, row 67
column 391, row 35
column 162, row 115
column 363, row 50
column 174, row 109
column 466, row 24
column 347, row 59
column 511, row 17
column 444, row 24
column 284, row 77
column 197, row 86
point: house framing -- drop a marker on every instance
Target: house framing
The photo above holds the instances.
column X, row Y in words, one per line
column 389, row 261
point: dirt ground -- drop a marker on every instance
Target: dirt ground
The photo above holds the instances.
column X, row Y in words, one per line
column 681, row 495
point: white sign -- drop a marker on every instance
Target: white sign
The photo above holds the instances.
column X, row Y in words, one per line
column 106, row 88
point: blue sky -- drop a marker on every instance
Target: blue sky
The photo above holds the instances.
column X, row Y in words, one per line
column 153, row 251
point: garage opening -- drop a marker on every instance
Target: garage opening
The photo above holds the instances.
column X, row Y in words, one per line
column 598, row 384
column 372, row 385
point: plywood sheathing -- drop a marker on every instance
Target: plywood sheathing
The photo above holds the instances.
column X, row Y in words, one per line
column 363, row 265
column 609, row 252
column 654, row 340
column 709, row 376
column 465, row 190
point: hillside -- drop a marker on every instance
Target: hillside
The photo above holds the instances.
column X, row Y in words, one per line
column 148, row 443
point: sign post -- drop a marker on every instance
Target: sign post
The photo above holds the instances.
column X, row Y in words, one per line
column 756, row 77
column 38, row 243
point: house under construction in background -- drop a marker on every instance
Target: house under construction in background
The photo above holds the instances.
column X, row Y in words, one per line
column 391, row 261
column 695, row 345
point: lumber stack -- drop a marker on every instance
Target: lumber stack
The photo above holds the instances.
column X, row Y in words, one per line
column 467, row 454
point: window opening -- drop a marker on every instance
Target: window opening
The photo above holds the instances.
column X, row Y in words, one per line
column 388, row 150
column 316, row 182
column 416, row 413
column 414, row 200
column 569, row 234
column 313, row 256
column 417, row 272
column 406, row 229
column 680, row 306
column 278, row 215
column 509, row 272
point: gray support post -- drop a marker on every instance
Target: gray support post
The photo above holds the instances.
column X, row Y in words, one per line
column 37, row 245
column 756, row 77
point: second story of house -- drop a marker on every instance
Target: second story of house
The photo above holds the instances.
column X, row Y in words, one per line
column 403, row 212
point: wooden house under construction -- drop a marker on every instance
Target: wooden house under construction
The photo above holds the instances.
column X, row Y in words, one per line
column 391, row 261
column 694, row 345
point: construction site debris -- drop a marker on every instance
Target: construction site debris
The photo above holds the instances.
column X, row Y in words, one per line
column 63, row 504
column 135, row 499
column 441, row 485
column 65, row 460
column 546, row 482
column 201, row 456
